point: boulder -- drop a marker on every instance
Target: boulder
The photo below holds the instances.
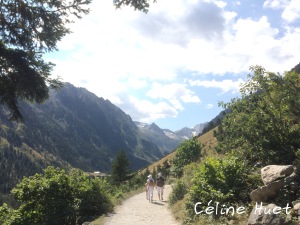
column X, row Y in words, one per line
column 274, row 172
column 274, row 177
column 262, row 194
column 296, row 205
column 266, row 216
column 291, row 178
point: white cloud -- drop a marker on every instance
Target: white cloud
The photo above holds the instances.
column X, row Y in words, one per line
column 209, row 106
column 221, row 4
column 200, row 19
column 292, row 11
column 258, row 43
column 121, row 48
column 276, row 4
column 224, row 85
column 175, row 93
column 176, row 104
column 236, row 3
column 115, row 53
column 190, row 98
column 148, row 112
column 291, row 8
column 136, row 83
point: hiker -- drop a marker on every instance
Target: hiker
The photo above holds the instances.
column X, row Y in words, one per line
column 150, row 187
column 146, row 189
column 160, row 183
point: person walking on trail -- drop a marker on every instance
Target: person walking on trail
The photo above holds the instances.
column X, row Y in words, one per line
column 150, row 188
column 160, row 183
column 146, row 189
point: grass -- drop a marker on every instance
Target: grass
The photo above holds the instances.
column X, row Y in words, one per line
column 209, row 142
column 178, row 210
column 99, row 221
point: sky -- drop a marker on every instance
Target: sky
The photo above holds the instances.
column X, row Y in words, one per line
column 174, row 64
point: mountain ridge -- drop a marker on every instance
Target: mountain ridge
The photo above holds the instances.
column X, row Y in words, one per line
column 75, row 128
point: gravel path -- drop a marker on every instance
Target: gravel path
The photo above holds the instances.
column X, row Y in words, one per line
column 138, row 211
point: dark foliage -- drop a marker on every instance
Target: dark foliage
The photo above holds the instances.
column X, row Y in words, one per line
column 141, row 5
column 120, row 168
column 28, row 30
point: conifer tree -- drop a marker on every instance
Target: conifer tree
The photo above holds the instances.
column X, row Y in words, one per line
column 29, row 29
column 120, row 167
column 141, row 5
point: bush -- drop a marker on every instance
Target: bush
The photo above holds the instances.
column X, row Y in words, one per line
column 56, row 198
column 217, row 180
column 187, row 152
column 263, row 125
column 7, row 215
column 178, row 192
column 93, row 200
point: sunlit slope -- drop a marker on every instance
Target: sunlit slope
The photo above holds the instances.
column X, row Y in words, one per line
column 208, row 144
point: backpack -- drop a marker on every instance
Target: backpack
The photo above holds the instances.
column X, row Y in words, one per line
column 151, row 182
column 160, row 181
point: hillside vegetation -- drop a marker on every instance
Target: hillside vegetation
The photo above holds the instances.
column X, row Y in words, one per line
column 262, row 128
column 208, row 141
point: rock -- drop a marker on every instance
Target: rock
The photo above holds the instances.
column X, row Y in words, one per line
column 296, row 205
column 264, row 215
column 266, row 192
column 291, row 178
column 296, row 202
column 275, row 177
column 273, row 172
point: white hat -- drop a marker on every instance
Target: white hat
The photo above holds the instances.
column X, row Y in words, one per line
column 150, row 176
column 159, row 174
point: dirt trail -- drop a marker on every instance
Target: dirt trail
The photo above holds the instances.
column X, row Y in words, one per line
column 138, row 211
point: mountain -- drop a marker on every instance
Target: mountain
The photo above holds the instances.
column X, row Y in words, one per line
column 188, row 133
column 296, row 68
column 173, row 135
column 166, row 140
column 215, row 121
column 74, row 128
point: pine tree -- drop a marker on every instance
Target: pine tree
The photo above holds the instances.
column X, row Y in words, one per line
column 28, row 30
column 120, row 167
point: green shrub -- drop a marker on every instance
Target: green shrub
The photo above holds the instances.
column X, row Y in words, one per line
column 188, row 173
column 263, row 124
column 172, row 180
column 253, row 180
column 187, row 152
column 93, row 200
column 119, row 195
column 178, row 192
column 56, row 198
column 7, row 215
column 217, row 180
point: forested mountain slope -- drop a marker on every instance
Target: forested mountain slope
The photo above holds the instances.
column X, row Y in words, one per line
column 73, row 128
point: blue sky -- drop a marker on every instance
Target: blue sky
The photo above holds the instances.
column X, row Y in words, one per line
column 174, row 64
